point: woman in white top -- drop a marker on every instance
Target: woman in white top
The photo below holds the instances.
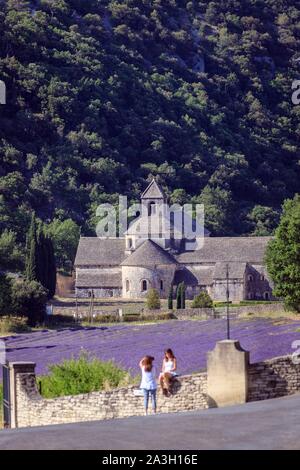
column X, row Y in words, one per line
column 148, row 383
column 169, row 367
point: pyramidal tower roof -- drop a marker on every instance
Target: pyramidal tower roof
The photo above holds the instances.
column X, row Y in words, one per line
column 149, row 254
column 153, row 191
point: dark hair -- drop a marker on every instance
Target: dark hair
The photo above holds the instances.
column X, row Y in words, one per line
column 147, row 363
column 170, row 352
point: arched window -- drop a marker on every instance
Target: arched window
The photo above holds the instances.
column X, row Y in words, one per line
column 127, row 285
column 267, row 295
column 250, row 278
column 144, row 285
column 151, row 208
column 161, row 285
column 262, row 277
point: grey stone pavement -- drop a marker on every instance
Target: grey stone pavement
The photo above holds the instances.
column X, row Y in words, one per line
column 272, row 424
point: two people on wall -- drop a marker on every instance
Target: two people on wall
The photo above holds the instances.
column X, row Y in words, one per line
column 149, row 382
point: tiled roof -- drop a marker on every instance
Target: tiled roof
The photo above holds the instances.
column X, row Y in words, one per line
column 193, row 277
column 218, row 249
column 94, row 279
column 149, row 254
column 93, row 251
column 153, row 191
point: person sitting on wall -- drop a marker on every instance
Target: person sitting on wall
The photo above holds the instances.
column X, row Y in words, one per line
column 168, row 372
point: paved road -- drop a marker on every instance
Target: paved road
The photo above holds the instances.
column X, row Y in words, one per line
column 272, row 424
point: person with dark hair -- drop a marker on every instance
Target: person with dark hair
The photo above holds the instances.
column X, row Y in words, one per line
column 148, row 384
column 168, row 371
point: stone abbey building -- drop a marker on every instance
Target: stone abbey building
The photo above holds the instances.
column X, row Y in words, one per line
column 128, row 267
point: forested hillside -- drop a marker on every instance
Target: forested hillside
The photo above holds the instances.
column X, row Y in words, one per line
column 103, row 94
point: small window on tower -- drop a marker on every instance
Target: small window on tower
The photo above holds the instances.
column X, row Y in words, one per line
column 151, row 208
column 144, row 286
column 161, row 285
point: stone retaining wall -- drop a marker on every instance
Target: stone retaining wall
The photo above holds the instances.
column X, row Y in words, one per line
column 218, row 312
column 272, row 379
column 189, row 393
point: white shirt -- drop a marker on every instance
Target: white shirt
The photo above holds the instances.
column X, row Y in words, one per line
column 148, row 379
column 168, row 366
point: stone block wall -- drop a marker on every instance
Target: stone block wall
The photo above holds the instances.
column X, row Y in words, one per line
column 220, row 312
column 189, row 393
column 272, row 379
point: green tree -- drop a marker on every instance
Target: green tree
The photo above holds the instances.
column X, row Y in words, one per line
column 153, row 300
column 29, row 300
column 283, row 255
column 11, row 257
column 178, row 297
column 65, row 235
column 264, row 220
column 51, row 267
column 182, row 295
column 202, row 300
column 32, row 262
column 40, row 260
column 5, row 295
column 170, row 298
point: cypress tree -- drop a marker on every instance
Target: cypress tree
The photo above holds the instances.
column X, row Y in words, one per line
column 40, row 258
column 178, row 297
column 31, row 269
column 170, row 298
column 182, row 295
column 51, row 267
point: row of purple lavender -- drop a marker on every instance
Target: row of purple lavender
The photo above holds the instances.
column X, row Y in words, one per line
column 126, row 344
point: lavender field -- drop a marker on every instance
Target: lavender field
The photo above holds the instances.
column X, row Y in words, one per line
column 126, row 344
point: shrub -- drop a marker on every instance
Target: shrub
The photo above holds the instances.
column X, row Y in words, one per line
column 82, row 375
column 159, row 316
column 153, row 300
column 202, row 300
column 13, row 325
column 29, row 300
column 59, row 320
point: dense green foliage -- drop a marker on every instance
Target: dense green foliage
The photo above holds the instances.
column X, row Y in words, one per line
column 102, row 94
column 283, row 255
column 65, row 236
column 40, row 263
column 82, row 375
column 152, row 299
column 29, row 299
column 5, row 294
column 202, row 300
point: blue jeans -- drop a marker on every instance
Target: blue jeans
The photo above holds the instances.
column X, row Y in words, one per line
column 147, row 393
